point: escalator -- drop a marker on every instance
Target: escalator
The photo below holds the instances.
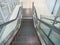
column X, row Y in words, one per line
column 28, row 29
column 27, row 34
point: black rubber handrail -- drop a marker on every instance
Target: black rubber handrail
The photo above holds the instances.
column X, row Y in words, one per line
column 10, row 20
column 57, row 30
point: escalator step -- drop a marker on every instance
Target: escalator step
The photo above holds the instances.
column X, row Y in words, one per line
column 27, row 35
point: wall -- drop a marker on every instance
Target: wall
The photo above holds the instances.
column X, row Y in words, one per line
column 40, row 6
column 51, row 4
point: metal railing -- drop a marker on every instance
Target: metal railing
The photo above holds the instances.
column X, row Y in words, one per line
column 51, row 19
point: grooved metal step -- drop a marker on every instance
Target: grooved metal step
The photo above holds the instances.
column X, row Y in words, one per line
column 27, row 34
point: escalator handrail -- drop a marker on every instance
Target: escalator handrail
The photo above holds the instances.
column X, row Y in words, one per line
column 57, row 30
column 10, row 20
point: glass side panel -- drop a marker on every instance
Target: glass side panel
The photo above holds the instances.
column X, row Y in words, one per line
column 57, row 24
column 46, row 16
column 1, row 28
column 45, row 28
column 44, row 31
column 55, row 38
column 58, row 19
column 1, row 19
column 0, row 16
column 9, row 30
column 5, row 11
column 46, row 19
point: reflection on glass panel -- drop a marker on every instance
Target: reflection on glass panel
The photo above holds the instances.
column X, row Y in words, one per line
column 58, row 19
column 2, row 28
column 45, row 28
column 47, row 16
column 55, row 38
column 5, row 11
column 58, row 23
column 1, row 0
column 7, row 7
column 50, row 20
column 47, row 19
column 1, row 19
column 9, row 31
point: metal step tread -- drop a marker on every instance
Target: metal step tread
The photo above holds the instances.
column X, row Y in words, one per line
column 27, row 35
